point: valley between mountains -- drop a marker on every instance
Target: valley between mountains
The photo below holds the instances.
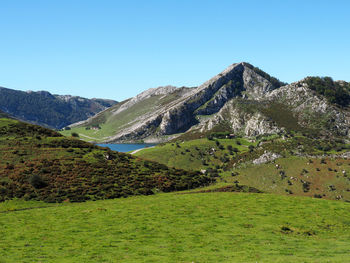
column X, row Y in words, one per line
column 246, row 168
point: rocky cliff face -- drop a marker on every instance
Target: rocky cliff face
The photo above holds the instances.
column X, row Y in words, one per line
column 242, row 99
column 312, row 110
column 46, row 109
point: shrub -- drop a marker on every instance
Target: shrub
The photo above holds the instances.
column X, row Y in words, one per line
column 331, row 188
column 286, row 229
column 74, row 134
column 37, row 181
column 306, row 187
column 234, row 173
column 10, row 166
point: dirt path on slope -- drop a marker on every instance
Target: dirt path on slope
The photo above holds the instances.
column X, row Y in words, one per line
column 141, row 149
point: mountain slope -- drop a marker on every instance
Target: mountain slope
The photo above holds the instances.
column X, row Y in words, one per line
column 289, row 165
column 40, row 164
column 293, row 107
column 54, row 111
column 131, row 114
column 163, row 112
column 242, row 100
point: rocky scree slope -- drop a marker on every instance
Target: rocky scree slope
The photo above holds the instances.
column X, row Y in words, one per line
column 242, row 99
column 46, row 109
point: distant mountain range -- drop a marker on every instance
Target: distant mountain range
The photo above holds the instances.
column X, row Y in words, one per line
column 46, row 109
column 242, row 99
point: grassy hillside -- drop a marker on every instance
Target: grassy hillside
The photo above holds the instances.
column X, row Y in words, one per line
column 211, row 227
column 314, row 177
column 40, row 164
column 197, row 154
column 109, row 122
column 291, row 174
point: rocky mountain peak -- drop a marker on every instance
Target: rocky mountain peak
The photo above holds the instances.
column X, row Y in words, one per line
column 237, row 80
column 241, row 99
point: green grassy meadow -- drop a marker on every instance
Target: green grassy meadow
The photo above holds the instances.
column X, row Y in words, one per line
column 177, row 227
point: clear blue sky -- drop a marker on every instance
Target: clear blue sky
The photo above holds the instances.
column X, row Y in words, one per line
column 116, row 49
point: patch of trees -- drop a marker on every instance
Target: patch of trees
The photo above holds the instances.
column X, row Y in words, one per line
column 335, row 92
column 220, row 135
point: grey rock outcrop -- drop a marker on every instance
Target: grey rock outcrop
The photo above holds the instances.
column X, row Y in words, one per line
column 266, row 157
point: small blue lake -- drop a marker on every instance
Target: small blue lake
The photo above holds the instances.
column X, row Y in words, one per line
column 126, row 147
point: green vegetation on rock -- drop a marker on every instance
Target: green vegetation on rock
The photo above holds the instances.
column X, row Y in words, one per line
column 334, row 92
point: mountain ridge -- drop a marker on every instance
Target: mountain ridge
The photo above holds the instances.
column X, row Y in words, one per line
column 49, row 110
column 243, row 98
